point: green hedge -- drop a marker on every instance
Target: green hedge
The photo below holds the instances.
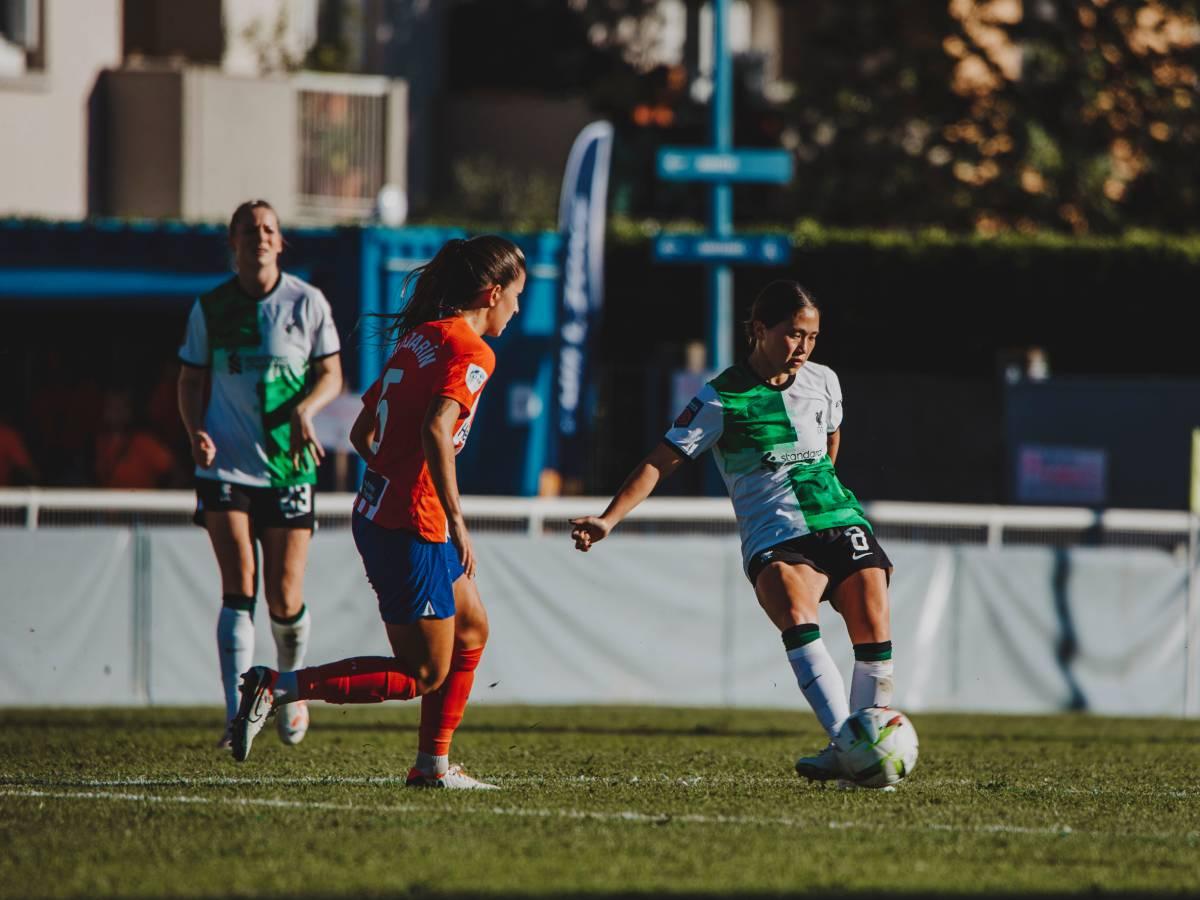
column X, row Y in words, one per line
column 811, row 235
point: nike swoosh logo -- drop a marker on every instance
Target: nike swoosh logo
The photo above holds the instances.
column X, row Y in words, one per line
column 805, row 687
column 861, row 555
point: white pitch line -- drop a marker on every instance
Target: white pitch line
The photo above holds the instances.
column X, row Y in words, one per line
column 384, row 780
column 681, row 781
column 657, row 818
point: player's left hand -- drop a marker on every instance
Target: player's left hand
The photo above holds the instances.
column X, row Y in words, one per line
column 457, row 526
column 588, row 530
column 304, row 438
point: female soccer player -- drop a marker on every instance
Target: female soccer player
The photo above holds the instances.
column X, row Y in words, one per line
column 259, row 360
column 772, row 424
column 408, row 523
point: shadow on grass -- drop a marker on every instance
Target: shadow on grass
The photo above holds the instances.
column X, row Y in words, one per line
column 328, row 719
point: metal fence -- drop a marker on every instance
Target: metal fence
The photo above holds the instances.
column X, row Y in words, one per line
column 343, row 141
column 992, row 526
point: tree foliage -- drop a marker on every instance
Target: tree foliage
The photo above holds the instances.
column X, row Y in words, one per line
column 996, row 114
column 974, row 115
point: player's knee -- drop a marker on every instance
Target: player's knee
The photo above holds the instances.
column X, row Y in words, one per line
column 283, row 601
column 471, row 636
column 429, row 678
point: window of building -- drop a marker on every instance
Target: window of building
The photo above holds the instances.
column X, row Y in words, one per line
column 21, row 40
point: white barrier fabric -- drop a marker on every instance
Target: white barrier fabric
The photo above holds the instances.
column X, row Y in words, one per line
column 1130, row 614
column 186, row 592
column 67, row 618
column 107, row 616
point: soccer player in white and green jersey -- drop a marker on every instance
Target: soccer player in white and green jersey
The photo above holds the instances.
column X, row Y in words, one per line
column 773, row 425
column 260, row 358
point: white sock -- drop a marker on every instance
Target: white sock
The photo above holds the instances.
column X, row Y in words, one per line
column 872, row 683
column 428, row 764
column 821, row 683
column 291, row 640
column 235, row 649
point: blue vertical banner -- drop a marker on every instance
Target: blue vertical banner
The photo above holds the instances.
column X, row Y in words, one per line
column 581, row 221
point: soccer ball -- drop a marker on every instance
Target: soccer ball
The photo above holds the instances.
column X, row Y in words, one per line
column 877, row 746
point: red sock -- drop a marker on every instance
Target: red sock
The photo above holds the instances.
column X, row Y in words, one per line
column 364, row 679
column 442, row 710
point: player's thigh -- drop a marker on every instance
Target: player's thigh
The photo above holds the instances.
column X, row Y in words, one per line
column 862, row 599
column 790, row 593
column 285, row 554
column 233, row 545
column 424, row 648
column 470, row 618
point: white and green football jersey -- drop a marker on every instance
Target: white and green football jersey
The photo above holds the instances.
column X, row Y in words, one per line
column 259, row 352
column 770, row 444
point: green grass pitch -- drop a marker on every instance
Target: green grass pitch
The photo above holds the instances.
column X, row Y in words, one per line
column 595, row 801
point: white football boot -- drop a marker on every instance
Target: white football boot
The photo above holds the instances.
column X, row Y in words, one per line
column 257, row 705
column 226, row 740
column 291, row 721
column 454, row 779
column 823, row 766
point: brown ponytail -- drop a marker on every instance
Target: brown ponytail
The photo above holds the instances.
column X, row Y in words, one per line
column 447, row 283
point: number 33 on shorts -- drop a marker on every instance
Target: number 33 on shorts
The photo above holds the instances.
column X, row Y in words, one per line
column 296, row 501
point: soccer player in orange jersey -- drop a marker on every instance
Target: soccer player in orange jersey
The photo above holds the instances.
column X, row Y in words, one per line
column 408, row 523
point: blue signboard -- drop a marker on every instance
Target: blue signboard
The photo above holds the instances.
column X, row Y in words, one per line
column 694, row 164
column 745, row 249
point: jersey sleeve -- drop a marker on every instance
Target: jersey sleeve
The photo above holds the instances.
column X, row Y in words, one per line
column 463, row 377
column 834, row 390
column 325, row 340
column 195, row 351
column 699, row 425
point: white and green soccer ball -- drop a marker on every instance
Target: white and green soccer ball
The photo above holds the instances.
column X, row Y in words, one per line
column 877, row 746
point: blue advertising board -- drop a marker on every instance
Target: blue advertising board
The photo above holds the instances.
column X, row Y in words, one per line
column 696, row 164
column 744, row 249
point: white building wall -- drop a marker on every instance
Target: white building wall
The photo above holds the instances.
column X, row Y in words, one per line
column 44, row 135
column 286, row 29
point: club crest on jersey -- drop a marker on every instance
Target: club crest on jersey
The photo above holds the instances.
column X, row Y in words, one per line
column 820, row 416
column 689, row 413
column 476, row 376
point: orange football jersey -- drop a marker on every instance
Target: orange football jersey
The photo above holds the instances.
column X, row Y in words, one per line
column 443, row 358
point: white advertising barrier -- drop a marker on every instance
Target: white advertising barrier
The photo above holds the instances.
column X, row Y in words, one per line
column 114, row 616
column 67, row 618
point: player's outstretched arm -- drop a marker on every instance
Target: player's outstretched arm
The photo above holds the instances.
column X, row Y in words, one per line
column 640, row 483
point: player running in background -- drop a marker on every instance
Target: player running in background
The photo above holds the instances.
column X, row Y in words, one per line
column 408, row 523
column 259, row 360
column 772, row 424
